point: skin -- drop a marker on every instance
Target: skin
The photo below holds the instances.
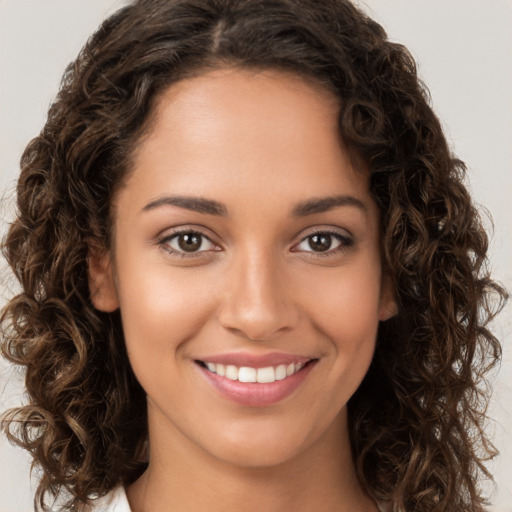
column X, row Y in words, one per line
column 259, row 143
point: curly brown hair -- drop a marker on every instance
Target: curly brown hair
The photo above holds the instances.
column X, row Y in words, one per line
column 416, row 421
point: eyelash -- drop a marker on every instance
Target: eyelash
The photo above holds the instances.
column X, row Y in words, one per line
column 165, row 241
column 346, row 242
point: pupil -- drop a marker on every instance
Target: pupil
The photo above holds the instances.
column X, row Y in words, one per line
column 189, row 242
column 320, row 242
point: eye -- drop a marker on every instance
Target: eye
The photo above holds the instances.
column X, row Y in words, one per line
column 327, row 242
column 187, row 242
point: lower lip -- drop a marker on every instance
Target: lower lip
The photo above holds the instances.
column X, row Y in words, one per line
column 254, row 394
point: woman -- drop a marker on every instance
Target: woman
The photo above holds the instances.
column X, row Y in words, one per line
column 244, row 216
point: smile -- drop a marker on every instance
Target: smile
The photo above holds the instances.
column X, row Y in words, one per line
column 248, row 374
column 263, row 384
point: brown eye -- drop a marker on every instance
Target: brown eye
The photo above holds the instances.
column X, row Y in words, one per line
column 324, row 243
column 320, row 243
column 187, row 242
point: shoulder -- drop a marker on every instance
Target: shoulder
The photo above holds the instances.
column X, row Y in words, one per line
column 114, row 501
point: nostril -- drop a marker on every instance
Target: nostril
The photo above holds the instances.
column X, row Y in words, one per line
column 256, row 306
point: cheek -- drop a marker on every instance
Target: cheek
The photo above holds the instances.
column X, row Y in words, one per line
column 344, row 309
column 161, row 308
column 345, row 303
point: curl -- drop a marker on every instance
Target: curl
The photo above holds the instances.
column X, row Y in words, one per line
column 417, row 420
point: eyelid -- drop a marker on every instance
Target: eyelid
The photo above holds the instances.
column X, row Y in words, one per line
column 342, row 235
column 163, row 241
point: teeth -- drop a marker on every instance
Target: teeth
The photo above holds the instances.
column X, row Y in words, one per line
column 260, row 375
column 231, row 372
column 267, row 374
column 281, row 372
column 246, row 374
column 221, row 369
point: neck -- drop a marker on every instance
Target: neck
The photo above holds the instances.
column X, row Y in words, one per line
column 182, row 477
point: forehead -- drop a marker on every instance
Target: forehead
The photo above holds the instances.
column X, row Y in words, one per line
column 214, row 103
column 234, row 131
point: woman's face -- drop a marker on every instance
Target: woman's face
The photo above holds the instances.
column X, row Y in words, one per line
column 246, row 248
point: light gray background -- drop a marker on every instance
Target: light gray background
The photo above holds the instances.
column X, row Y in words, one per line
column 464, row 49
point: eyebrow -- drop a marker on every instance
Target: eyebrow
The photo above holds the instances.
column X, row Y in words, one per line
column 324, row 204
column 196, row 204
column 211, row 207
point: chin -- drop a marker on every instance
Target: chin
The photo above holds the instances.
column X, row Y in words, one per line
column 261, row 445
column 252, row 456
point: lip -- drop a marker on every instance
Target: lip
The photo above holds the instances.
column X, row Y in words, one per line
column 253, row 394
column 255, row 360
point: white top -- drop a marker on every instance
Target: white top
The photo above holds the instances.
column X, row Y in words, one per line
column 114, row 501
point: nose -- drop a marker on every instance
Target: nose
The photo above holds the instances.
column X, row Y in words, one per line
column 258, row 300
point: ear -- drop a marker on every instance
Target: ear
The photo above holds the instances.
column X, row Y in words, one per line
column 387, row 303
column 102, row 287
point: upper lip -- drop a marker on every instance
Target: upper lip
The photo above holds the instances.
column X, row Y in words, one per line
column 241, row 359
